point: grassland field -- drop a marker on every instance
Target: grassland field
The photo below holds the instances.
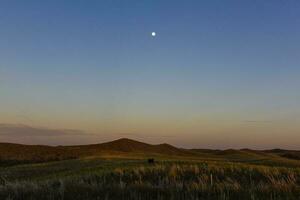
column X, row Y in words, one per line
column 201, row 174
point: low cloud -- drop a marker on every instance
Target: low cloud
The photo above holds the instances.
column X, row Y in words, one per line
column 23, row 134
column 19, row 130
column 257, row 121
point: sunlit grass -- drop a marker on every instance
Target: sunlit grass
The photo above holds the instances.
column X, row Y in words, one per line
column 135, row 179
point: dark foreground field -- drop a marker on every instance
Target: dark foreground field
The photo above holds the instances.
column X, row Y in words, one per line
column 193, row 174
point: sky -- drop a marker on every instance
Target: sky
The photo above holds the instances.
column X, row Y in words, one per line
column 218, row 74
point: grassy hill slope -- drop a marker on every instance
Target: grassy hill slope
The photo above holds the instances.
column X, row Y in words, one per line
column 17, row 153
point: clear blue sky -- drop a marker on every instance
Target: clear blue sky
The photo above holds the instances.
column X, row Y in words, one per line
column 218, row 73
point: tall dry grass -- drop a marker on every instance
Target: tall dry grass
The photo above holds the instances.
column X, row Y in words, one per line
column 167, row 181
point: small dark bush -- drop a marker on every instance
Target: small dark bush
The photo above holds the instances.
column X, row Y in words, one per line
column 151, row 160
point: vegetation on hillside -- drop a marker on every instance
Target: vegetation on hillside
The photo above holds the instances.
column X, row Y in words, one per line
column 11, row 154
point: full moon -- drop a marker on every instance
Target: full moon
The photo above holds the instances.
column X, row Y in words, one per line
column 153, row 34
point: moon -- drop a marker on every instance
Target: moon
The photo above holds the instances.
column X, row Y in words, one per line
column 153, row 34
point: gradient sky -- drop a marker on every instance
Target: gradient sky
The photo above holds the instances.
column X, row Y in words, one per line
column 219, row 74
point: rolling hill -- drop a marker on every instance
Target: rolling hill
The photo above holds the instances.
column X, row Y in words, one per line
column 40, row 153
column 128, row 145
column 18, row 153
